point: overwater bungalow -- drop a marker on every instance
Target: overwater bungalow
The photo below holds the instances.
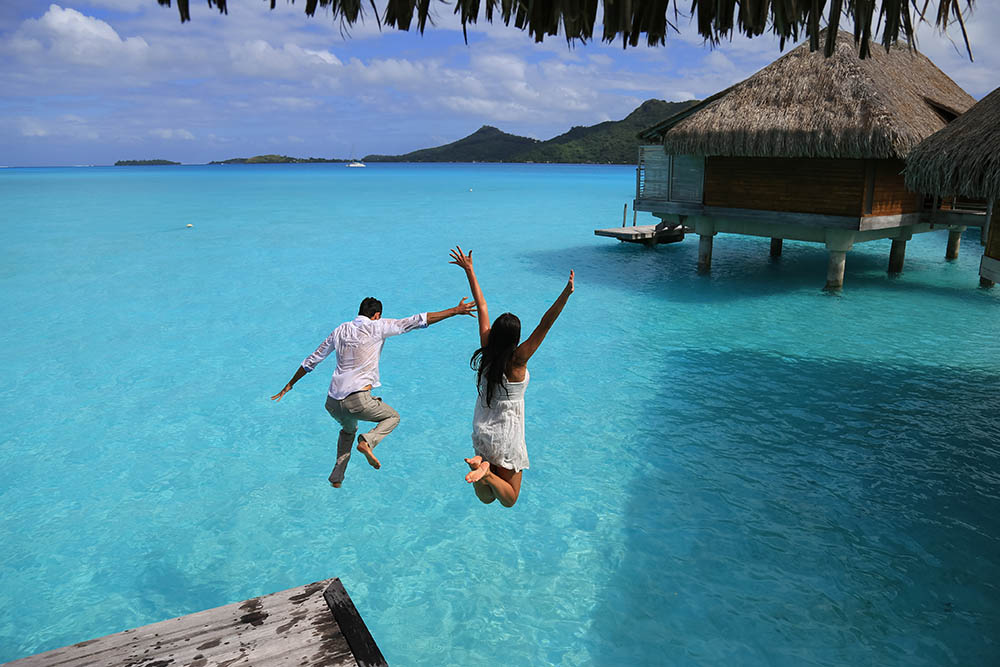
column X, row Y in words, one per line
column 809, row 148
column 962, row 162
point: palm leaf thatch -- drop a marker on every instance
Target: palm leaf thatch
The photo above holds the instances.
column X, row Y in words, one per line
column 962, row 159
column 633, row 20
column 807, row 105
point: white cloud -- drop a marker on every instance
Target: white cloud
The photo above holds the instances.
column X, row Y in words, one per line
column 499, row 65
column 293, row 103
column 258, row 59
column 164, row 133
column 65, row 126
column 68, row 36
column 32, row 127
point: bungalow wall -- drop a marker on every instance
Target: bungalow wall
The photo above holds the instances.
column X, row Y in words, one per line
column 799, row 185
column 889, row 193
column 826, row 186
column 993, row 239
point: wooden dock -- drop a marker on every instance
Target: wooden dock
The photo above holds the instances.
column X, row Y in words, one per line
column 649, row 235
column 315, row 625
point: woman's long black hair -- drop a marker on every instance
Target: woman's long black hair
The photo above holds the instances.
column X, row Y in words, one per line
column 491, row 360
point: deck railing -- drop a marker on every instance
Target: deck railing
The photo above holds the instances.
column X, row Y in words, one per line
column 652, row 175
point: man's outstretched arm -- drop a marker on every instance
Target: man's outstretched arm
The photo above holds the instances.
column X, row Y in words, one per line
column 299, row 374
column 321, row 353
column 462, row 308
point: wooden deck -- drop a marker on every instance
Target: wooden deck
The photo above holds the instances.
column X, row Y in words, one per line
column 645, row 234
column 314, row 625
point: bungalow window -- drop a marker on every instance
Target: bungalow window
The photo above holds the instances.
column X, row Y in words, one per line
column 677, row 178
column 687, row 178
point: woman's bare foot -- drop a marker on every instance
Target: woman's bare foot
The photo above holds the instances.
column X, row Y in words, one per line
column 474, row 462
column 479, row 472
column 366, row 449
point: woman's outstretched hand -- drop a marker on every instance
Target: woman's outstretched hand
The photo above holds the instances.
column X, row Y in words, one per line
column 461, row 259
column 569, row 284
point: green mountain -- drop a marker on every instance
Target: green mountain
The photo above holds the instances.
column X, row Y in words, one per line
column 487, row 144
column 612, row 141
column 274, row 159
column 143, row 163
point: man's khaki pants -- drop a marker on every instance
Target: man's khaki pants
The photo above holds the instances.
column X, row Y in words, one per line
column 348, row 411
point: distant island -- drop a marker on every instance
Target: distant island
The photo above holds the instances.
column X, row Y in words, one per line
column 275, row 159
column 143, row 163
column 612, row 141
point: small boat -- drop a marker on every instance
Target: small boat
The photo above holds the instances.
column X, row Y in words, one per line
column 355, row 162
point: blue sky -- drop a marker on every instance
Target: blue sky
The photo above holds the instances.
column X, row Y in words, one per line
column 94, row 81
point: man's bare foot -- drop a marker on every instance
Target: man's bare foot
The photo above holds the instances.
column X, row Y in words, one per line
column 336, row 485
column 481, row 471
column 365, row 449
column 474, row 462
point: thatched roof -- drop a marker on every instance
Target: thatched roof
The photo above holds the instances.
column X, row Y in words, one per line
column 962, row 159
column 652, row 19
column 805, row 105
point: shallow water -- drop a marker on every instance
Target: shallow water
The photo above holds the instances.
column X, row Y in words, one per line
column 727, row 469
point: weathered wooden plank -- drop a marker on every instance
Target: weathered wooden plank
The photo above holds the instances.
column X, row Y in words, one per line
column 648, row 234
column 354, row 630
column 638, row 233
column 292, row 627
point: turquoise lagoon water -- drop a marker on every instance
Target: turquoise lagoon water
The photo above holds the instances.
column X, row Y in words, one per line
column 726, row 469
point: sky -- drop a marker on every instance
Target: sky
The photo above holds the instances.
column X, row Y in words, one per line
column 95, row 81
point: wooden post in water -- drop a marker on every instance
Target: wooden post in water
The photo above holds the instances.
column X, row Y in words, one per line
column 634, row 214
column 954, row 241
column 838, row 242
column 897, row 253
column 835, row 269
column 705, row 253
column 776, row 247
column 624, row 215
column 992, row 241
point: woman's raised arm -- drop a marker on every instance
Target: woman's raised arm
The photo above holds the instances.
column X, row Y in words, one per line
column 528, row 347
column 465, row 261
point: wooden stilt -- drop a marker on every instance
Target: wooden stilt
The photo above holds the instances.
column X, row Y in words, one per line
column 705, row 253
column 776, row 247
column 954, row 241
column 897, row 253
column 986, row 283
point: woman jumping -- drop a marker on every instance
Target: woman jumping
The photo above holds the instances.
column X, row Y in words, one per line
column 502, row 378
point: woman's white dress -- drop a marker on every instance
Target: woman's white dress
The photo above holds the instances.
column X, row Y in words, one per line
column 498, row 430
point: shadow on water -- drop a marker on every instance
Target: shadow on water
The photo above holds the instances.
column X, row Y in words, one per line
column 835, row 513
column 741, row 269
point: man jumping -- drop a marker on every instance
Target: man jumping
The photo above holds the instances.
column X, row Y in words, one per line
column 358, row 345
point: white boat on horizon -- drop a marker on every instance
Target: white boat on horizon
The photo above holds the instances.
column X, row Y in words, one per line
column 356, row 163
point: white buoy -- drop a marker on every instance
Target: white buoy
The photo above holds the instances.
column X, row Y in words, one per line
column 470, row 189
column 190, row 225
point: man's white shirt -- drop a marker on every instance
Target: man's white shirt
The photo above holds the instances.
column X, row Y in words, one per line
column 358, row 345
